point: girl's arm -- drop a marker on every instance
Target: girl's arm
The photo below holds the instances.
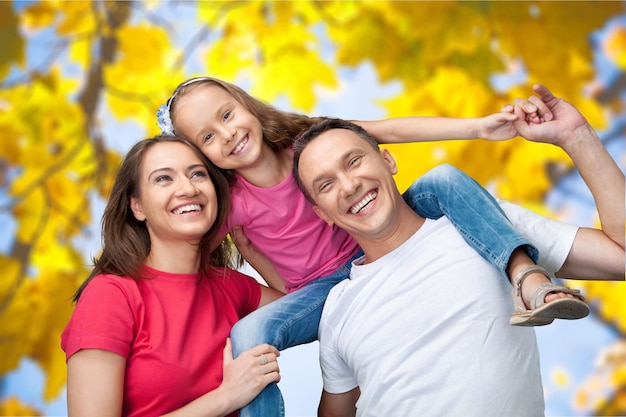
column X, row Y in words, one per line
column 268, row 295
column 496, row 126
column 95, row 383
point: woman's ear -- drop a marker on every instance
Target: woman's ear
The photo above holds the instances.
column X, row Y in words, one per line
column 135, row 206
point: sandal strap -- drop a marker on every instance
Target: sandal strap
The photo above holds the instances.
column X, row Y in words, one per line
column 538, row 298
column 518, row 280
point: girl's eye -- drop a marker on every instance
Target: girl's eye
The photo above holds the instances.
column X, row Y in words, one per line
column 208, row 137
column 227, row 115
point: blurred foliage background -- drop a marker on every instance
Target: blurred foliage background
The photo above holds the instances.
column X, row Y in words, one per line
column 70, row 69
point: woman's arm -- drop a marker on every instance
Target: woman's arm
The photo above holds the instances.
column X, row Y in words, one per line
column 496, row 126
column 244, row 378
column 95, row 383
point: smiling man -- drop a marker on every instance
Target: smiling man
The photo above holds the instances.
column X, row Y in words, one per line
column 421, row 327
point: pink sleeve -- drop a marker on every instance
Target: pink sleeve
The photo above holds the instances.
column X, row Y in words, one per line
column 103, row 318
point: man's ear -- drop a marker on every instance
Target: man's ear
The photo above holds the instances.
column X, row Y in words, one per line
column 322, row 215
column 390, row 161
column 135, row 206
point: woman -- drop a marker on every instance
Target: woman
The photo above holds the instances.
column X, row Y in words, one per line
column 149, row 334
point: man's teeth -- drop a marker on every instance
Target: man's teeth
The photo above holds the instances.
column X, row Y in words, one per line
column 186, row 209
column 241, row 145
column 359, row 206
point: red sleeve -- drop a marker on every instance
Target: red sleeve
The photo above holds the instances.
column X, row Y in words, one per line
column 247, row 290
column 103, row 317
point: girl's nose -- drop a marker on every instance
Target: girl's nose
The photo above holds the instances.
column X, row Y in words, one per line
column 228, row 134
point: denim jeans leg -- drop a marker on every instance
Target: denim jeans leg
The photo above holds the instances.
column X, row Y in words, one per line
column 475, row 213
column 289, row 321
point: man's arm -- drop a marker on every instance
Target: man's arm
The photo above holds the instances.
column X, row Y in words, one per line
column 564, row 126
column 339, row 405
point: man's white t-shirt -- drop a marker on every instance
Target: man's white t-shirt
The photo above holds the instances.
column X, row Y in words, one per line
column 424, row 331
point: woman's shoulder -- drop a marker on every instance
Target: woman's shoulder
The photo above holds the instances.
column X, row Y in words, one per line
column 109, row 285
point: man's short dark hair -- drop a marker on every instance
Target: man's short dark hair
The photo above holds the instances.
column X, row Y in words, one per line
column 313, row 132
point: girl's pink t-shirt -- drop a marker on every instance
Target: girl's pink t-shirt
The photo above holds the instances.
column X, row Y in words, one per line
column 281, row 222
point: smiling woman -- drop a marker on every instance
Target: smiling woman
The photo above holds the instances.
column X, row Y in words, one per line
column 157, row 290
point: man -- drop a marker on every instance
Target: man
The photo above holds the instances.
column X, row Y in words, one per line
column 421, row 327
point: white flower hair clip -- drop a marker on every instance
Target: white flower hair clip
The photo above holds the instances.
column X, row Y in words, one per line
column 165, row 121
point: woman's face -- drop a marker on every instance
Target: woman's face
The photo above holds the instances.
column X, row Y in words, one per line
column 177, row 199
column 226, row 132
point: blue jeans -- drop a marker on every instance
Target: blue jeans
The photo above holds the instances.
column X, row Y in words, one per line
column 294, row 319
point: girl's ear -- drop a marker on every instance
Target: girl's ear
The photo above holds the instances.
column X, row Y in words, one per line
column 322, row 215
column 135, row 206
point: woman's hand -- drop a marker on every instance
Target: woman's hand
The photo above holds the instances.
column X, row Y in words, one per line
column 246, row 376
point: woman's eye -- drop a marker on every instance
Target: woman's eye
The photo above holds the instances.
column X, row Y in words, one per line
column 163, row 178
column 199, row 174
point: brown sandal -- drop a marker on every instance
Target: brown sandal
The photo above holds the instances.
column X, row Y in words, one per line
column 542, row 313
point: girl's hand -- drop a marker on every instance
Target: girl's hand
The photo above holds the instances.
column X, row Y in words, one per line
column 498, row 126
column 246, row 376
column 249, row 252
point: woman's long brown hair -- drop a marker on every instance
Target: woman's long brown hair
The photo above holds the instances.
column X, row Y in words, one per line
column 126, row 241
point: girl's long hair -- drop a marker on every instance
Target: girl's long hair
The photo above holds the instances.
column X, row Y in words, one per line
column 280, row 128
column 126, row 241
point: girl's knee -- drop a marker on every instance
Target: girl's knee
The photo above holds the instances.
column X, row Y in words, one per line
column 445, row 172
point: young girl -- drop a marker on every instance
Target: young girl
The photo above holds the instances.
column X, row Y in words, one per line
column 251, row 142
column 140, row 330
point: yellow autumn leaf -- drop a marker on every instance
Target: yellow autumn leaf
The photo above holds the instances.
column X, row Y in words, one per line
column 12, row 51
column 12, row 406
column 614, row 46
column 77, row 17
column 11, row 270
column 38, row 15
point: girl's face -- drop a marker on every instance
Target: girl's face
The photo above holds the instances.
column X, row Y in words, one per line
column 226, row 132
column 177, row 199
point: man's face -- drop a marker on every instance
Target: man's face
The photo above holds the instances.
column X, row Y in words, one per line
column 350, row 181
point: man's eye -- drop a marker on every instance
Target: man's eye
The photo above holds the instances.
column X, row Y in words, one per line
column 354, row 160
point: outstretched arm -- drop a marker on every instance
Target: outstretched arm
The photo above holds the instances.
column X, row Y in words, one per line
column 561, row 124
column 496, row 126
